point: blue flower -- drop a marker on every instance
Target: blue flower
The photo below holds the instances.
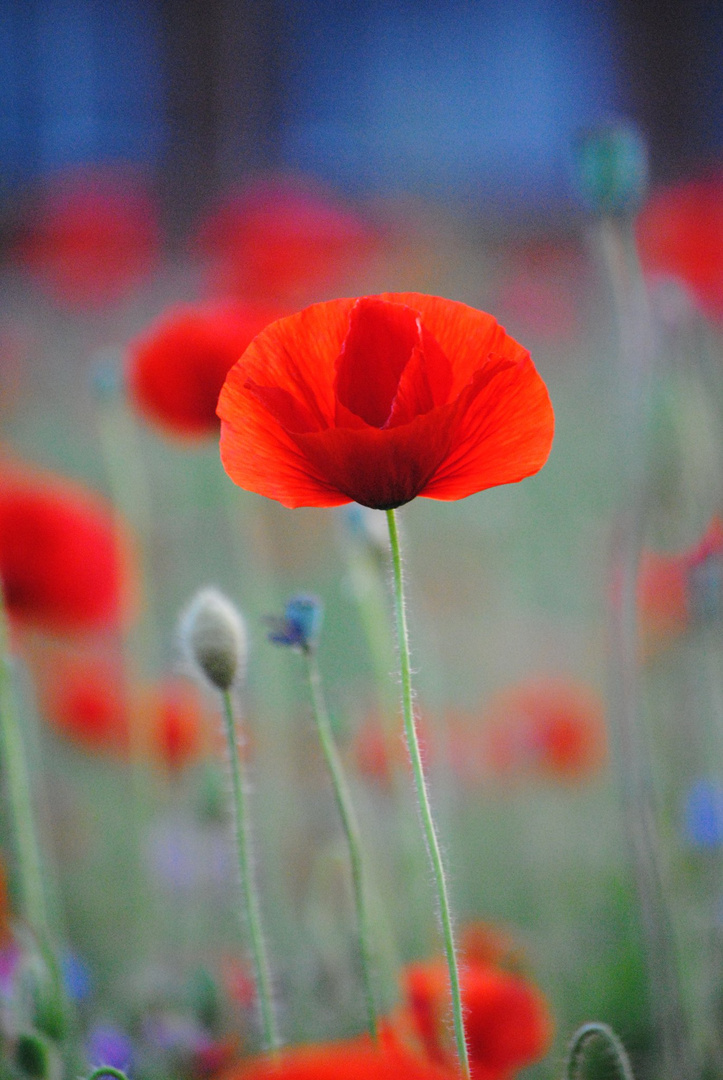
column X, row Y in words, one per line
column 703, row 814
column 300, row 625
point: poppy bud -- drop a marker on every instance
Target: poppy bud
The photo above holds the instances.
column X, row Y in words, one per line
column 300, row 625
column 214, row 638
column 611, row 167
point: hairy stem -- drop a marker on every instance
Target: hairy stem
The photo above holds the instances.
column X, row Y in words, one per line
column 425, row 811
column 351, row 831
column 250, row 899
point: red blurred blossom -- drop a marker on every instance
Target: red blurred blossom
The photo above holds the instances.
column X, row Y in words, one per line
column 381, row 399
column 675, row 590
column 65, row 564
column 91, row 236
column 86, row 700
column 378, row 751
column 282, row 241
column 177, row 367
column 507, row 1019
column 547, row 727
column 355, row 1059
column 680, row 234
column 179, row 727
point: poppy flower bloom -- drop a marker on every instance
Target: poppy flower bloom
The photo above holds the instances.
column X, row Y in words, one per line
column 64, row 566
column 546, row 727
column 85, row 699
column 381, row 399
column 179, row 733
column 507, row 1019
column 177, row 368
column 282, row 241
column 680, row 234
column 355, row 1059
column 680, row 590
column 93, row 234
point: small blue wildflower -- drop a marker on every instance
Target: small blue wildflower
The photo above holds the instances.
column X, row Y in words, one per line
column 107, row 1045
column 703, row 814
column 76, row 977
column 300, row 625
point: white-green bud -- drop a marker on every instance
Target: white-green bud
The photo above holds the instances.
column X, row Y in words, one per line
column 213, row 636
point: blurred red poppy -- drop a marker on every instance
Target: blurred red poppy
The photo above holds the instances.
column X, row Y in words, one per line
column 65, row 566
column 680, row 234
column 92, row 234
column 85, row 699
column 178, row 726
column 507, row 1019
column 282, row 241
column 177, row 368
column 355, row 1059
column 677, row 590
column 381, row 399
column 549, row 727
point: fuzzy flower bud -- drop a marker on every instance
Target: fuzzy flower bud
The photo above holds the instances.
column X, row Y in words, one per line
column 213, row 636
column 611, row 168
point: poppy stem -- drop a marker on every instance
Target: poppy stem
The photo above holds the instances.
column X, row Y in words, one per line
column 425, row 811
column 269, row 1030
column 15, row 767
column 351, row 830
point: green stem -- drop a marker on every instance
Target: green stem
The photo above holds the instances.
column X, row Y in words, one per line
column 250, row 899
column 351, row 831
column 580, row 1040
column 422, row 797
column 19, row 794
column 107, row 1070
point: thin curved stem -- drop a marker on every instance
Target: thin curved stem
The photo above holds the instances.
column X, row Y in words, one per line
column 250, row 899
column 351, row 831
column 425, row 811
column 107, row 1070
column 580, row 1040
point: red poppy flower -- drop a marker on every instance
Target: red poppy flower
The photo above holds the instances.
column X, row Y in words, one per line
column 282, row 241
column 177, row 368
column 178, row 728
column 550, row 727
column 356, row 1059
column 677, row 590
column 64, row 566
column 93, row 234
column 680, row 234
column 381, row 399
column 507, row 1020
column 85, row 699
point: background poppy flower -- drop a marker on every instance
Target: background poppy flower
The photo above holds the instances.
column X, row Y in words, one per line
column 680, row 234
column 92, row 234
column 179, row 731
column 282, row 241
column 85, row 699
column 507, row 1019
column 551, row 727
column 64, row 565
column 177, row 368
column 381, row 399
column 677, row 590
column 356, row 1059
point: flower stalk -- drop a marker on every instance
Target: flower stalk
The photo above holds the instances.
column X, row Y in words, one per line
column 350, row 827
column 425, row 810
column 579, row 1042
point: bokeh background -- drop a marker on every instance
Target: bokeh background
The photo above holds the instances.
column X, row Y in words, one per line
column 435, row 144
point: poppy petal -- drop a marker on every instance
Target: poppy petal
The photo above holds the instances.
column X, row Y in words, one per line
column 375, row 352
column 506, row 435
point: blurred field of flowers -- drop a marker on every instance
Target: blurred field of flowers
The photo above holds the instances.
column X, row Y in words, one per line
column 566, row 636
